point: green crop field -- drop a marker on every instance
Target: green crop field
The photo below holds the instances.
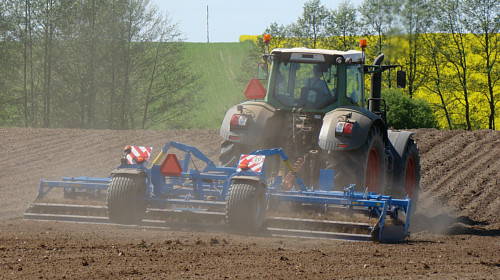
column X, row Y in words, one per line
column 219, row 67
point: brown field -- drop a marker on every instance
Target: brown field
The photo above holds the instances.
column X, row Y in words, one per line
column 455, row 233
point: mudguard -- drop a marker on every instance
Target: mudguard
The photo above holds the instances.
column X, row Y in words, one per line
column 362, row 121
column 249, row 178
column 398, row 141
column 128, row 171
column 259, row 123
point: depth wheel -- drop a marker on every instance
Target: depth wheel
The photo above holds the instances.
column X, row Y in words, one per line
column 246, row 206
column 124, row 199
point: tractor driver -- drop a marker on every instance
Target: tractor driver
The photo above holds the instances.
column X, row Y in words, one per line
column 318, row 92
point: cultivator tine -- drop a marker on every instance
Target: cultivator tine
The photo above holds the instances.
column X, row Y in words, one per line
column 67, row 208
column 313, row 228
column 317, row 225
column 317, row 234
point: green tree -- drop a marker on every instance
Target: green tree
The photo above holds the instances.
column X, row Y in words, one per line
column 483, row 20
column 452, row 20
column 342, row 26
column 378, row 18
column 9, row 67
column 406, row 113
column 416, row 20
column 311, row 26
column 435, row 81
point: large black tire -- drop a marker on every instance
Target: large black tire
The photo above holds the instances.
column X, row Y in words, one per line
column 246, row 206
column 364, row 167
column 230, row 153
column 124, row 199
column 409, row 178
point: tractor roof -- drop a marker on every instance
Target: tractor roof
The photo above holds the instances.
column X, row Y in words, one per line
column 315, row 55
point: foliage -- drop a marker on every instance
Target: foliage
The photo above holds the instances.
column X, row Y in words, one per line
column 449, row 50
column 91, row 64
column 246, row 38
column 406, row 113
column 121, row 65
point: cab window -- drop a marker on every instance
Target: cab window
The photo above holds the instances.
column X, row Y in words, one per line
column 306, row 85
column 354, row 84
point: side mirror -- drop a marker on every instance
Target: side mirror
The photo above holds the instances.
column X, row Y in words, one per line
column 263, row 71
column 401, row 79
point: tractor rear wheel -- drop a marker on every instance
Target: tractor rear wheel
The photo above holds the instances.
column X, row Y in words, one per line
column 409, row 177
column 246, row 206
column 124, row 199
column 364, row 167
column 230, row 153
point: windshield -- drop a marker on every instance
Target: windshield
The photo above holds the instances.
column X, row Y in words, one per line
column 306, row 85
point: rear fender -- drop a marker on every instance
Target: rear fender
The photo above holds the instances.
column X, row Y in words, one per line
column 362, row 121
column 248, row 178
column 129, row 171
column 135, row 173
column 141, row 172
column 259, row 123
column 398, row 141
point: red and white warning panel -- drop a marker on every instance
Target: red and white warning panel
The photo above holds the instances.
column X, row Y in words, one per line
column 251, row 163
column 139, row 154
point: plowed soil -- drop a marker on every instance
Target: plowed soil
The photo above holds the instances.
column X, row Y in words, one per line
column 455, row 233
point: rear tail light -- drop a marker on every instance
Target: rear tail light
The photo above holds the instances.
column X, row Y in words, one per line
column 347, row 128
column 344, row 128
column 238, row 120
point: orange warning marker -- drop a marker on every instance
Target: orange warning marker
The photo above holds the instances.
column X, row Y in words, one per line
column 255, row 90
column 171, row 166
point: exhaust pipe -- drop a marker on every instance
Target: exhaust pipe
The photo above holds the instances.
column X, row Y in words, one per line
column 375, row 86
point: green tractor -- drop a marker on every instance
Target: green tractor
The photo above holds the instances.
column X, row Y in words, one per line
column 315, row 109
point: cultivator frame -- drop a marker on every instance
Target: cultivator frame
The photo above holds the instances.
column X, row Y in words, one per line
column 174, row 189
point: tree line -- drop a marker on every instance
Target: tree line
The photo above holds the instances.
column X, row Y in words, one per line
column 91, row 64
column 448, row 48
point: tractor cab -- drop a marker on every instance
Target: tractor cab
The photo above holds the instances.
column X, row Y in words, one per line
column 315, row 80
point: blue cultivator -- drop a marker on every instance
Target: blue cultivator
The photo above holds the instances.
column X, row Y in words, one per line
column 242, row 196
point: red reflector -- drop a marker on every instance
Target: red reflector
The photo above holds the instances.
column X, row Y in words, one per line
column 347, row 128
column 234, row 138
column 171, row 166
column 342, row 145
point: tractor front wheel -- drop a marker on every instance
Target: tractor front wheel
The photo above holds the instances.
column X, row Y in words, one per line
column 246, row 206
